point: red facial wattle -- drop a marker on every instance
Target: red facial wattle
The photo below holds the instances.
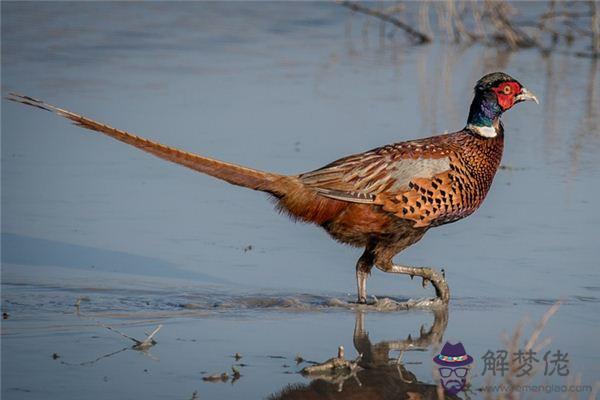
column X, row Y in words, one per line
column 506, row 93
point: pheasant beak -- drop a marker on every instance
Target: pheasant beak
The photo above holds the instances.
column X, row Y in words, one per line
column 526, row 95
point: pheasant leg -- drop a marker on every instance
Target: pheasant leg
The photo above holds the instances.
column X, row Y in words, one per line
column 363, row 270
column 361, row 283
column 428, row 274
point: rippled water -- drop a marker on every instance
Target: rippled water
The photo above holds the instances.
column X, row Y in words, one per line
column 288, row 88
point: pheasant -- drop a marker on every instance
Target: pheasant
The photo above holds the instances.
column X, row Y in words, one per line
column 383, row 200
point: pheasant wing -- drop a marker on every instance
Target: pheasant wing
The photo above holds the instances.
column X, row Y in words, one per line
column 366, row 177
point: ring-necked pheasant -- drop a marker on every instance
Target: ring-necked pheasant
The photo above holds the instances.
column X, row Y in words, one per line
column 384, row 199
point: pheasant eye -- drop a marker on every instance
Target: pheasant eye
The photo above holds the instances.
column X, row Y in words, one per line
column 506, row 89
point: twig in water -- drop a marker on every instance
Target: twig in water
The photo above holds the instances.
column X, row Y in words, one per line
column 149, row 341
column 94, row 361
column 506, row 31
column 139, row 344
column 420, row 37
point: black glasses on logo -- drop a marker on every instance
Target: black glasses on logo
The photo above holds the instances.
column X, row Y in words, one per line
column 460, row 372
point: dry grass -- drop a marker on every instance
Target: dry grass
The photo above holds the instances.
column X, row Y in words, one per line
column 511, row 378
column 497, row 23
column 513, row 344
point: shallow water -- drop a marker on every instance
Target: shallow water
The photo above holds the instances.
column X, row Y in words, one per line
column 288, row 88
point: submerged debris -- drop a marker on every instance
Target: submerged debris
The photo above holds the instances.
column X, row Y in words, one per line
column 335, row 370
column 224, row 377
column 510, row 168
column 334, row 365
column 235, row 374
column 78, row 302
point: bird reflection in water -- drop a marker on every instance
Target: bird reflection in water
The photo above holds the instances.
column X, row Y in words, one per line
column 378, row 376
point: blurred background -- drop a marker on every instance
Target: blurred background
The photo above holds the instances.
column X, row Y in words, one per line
column 284, row 87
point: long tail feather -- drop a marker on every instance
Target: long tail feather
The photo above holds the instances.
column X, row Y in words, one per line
column 232, row 173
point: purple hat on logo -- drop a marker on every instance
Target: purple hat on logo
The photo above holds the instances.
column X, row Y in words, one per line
column 453, row 355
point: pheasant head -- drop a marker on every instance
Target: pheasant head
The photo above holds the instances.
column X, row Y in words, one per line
column 494, row 94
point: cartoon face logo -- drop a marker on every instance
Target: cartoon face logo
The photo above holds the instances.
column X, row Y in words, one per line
column 453, row 368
